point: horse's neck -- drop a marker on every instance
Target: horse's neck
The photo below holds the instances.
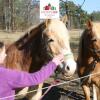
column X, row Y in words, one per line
column 84, row 59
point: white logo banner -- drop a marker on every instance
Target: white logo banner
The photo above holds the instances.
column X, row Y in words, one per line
column 49, row 9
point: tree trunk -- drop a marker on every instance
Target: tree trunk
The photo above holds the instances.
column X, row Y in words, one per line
column 12, row 23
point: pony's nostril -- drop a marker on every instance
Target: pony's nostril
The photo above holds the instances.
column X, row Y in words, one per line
column 67, row 68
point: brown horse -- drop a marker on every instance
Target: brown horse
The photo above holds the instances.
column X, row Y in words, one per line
column 38, row 46
column 89, row 59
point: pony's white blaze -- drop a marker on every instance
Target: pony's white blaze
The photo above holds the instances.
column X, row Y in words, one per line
column 70, row 64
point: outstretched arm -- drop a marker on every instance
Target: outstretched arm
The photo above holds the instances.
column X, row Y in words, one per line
column 17, row 79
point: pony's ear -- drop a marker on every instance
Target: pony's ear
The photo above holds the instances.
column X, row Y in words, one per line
column 47, row 21
column 64, row 19
column 89, row 24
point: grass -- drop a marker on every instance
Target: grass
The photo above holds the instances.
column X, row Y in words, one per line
column 10, row 37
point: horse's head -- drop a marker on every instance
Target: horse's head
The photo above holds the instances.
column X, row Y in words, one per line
column 57, row 39
column 92, row 39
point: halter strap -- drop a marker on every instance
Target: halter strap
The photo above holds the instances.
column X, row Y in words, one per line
column 69, row 55
column 95, row 51
column 94, row 62
column 66, row 56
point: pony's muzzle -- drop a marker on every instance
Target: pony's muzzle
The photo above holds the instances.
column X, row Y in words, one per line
column 68, row 68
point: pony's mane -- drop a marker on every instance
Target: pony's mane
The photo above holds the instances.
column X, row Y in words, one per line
column 25, row 49
column 82, row 50
column 29, row 34
column 81, row 46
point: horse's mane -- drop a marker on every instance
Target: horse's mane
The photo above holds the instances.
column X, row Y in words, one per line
column 83, row 51
column 22, row 52
column 29, row 34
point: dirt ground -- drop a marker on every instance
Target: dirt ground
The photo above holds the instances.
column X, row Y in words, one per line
column 70, row 90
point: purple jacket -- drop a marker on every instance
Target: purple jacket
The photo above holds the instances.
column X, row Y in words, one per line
column 11, row 79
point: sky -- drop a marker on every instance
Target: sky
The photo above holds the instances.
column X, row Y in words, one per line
column 89, row 5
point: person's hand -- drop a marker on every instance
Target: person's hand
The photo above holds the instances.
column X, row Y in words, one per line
column 58, row 59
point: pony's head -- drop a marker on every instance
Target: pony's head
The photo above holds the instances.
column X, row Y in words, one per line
column 58, row 42
column 92, row 39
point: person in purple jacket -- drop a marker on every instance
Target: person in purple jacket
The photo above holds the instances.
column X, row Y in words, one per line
column 12, row 79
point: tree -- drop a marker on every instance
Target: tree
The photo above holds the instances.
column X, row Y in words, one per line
column 76, row 15
column 21, row 14
column 95, row 15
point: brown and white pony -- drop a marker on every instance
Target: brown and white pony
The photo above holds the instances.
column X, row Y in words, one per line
column 38, row 46
column 89, row 59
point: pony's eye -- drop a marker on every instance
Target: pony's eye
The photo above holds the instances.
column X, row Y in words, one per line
column 94, row 40
column 50, row 40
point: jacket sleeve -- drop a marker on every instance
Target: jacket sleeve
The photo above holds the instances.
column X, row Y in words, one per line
column 17, row 79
